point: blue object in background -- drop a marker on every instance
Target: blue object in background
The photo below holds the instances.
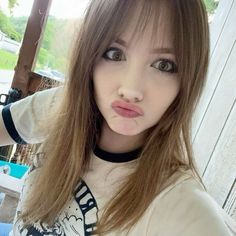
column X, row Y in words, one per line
column 5, row 229
column 16, row 170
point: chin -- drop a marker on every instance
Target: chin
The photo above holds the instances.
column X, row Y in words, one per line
column 125, row 130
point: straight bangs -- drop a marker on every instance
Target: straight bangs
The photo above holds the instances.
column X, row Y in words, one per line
column 112, row 18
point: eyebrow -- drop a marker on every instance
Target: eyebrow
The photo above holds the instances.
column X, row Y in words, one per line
column 153, row 51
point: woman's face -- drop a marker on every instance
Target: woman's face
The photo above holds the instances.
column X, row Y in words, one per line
column 136, row 81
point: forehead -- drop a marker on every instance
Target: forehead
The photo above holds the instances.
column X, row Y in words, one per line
column 152, row 27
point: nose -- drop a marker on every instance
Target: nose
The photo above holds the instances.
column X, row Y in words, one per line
column 131, row 88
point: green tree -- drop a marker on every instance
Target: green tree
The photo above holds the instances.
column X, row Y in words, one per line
column 19, row 24
column 8, row 28
column 211, row 5
column 49, row 32
column 55, row 44
column 12, row 4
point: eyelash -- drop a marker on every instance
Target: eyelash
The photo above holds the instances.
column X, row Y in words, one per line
column 173, row 69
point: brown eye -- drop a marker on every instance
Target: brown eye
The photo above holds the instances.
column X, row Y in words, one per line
column 113, row 54
column 165, row 65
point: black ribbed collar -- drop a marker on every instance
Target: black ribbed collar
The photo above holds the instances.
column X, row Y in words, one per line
column 117, row 157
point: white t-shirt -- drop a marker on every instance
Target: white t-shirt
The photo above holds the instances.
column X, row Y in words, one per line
column 182, row 209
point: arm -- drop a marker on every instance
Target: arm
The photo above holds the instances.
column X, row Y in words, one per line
column 26, row 121
column 5, row 138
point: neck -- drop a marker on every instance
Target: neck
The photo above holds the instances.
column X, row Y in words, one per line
column 117, row 143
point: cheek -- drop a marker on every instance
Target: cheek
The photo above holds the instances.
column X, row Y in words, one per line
column 160, row 97
column 104, row 79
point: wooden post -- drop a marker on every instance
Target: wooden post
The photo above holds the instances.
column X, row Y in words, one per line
column 31, row 44
column 28, row 52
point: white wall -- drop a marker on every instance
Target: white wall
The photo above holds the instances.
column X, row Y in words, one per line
column 214, row 123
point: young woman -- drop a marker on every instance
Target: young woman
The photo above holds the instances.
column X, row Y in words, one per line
column 117, row 136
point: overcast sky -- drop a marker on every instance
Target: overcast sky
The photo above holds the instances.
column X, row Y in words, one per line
column 59, row 8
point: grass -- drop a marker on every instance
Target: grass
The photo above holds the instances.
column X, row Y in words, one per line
column 8, row 60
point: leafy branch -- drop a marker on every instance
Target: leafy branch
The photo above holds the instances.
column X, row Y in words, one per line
column 12, row 4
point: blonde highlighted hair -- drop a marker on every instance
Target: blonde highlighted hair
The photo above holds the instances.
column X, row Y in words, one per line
column 167, row 147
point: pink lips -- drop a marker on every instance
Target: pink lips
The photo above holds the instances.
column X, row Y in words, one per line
column 126, row 109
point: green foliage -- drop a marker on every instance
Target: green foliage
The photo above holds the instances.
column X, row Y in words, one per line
column 61, row 64
column 53, row 49
column 55, row 45
column 211, row 5
column 7, row 60
column 19, row 24
column 45, row 59
column 12, row 4
column 42, row 56
column 8, row 28
column 49, row 32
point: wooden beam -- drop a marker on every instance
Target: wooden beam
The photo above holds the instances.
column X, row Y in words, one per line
column 38, row 82
column 31, row 44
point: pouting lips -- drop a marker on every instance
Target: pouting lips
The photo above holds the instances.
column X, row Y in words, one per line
column 127, row 106
column 126, row 109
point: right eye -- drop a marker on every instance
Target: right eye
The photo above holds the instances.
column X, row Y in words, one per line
column 113, row 54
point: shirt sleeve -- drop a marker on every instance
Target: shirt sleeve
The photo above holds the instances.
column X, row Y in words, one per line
column 27, row 120
column 187, row 210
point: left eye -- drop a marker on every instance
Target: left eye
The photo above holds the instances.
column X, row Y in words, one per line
column 166, row 66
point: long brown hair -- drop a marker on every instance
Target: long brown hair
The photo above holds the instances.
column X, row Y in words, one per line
column 167, row 147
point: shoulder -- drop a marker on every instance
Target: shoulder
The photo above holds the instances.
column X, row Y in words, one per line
column 185, row 208
column 26, row 120
column 40, row 99
column 37, row 101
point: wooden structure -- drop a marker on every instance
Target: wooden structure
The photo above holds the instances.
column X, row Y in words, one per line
column 214, row 123
column 24, row 79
